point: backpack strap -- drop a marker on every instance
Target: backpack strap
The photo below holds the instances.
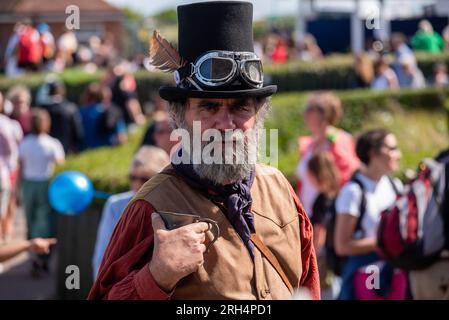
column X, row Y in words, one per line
column 362, row 207
column 394, row 186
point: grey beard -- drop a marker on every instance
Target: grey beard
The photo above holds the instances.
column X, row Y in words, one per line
column 230, row 171
column 222, row 174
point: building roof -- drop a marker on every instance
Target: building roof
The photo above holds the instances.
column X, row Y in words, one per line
column 53, row 6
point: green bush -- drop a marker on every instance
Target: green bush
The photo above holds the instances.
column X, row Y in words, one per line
column 417, row 118
column 332, row 72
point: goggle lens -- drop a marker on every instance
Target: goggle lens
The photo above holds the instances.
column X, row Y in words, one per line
column 253, row 70
column 216, row 69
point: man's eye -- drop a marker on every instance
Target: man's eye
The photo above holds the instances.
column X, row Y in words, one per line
column 241, row 108
column 208, row 108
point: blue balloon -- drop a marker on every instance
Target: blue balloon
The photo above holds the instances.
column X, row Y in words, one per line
column 70, row 192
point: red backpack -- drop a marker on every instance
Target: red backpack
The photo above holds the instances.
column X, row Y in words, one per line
column 411, row 233
column 30, row 47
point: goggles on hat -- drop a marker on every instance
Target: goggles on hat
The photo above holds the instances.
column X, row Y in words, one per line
column 219, row 68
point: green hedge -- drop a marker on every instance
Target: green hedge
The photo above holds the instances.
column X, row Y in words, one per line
column 418, row 118
column 331, row 72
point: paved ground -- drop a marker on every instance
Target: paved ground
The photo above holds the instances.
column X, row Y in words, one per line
column 16, row 282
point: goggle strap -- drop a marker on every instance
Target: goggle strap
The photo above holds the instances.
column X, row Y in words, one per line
column 194, row 83
column 185, row 71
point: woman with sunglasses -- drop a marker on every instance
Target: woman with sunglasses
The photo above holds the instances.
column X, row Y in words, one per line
column 358, row 207
column 148, row 161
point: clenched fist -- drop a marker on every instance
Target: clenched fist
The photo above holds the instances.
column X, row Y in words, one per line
column 177, row 253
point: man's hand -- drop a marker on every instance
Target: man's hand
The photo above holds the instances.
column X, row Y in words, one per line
column 177, row 253
column 41, row 246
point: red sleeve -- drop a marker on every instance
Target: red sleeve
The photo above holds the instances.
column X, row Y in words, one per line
column 124, row 272
column 310, row 277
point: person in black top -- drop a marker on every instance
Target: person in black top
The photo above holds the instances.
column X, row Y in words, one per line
column 124, row 95
column 324, row 175
column 65, row 117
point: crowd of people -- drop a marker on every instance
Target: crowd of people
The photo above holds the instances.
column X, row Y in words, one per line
column 344, row 184
column 383, row 66
column 377, row 70
column 279, row 46
column 34, row 47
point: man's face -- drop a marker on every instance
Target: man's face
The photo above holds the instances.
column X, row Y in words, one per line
column 236, row 116
column 221, row 114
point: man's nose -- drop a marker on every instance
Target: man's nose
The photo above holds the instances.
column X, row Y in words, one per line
column 224, row 120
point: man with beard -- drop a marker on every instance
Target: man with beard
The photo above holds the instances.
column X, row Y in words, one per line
column 264, row 249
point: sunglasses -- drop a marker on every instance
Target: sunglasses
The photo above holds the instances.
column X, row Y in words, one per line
column 134, row 178
column 391, row 148
column 219, row 68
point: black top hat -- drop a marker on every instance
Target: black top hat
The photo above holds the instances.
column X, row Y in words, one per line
column 215, row 25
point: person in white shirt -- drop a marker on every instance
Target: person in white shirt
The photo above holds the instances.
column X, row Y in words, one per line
column 358, row 206
column 10, row 137
column 148, row 161
column 38, row 154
